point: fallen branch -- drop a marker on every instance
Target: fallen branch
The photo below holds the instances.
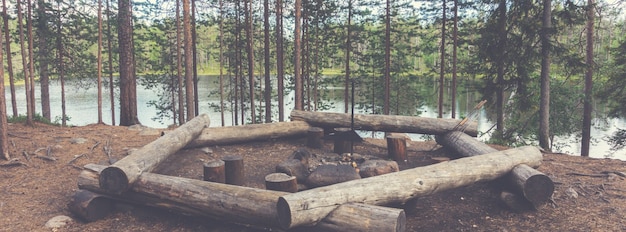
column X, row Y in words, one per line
column 77, row 157
column 25, row 154
column 47, row 158
column 13, row 162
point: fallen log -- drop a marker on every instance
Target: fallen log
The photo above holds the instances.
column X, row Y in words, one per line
column 90, row 206
column 533, row 185
column 118, row 177
column 311, row 206
column 222, row 202
column 348, row 215
column 387, row 123
column 247, row 133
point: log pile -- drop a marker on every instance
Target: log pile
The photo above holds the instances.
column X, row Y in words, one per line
column 357, row 205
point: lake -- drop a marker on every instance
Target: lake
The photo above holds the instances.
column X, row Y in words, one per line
column 81, row 107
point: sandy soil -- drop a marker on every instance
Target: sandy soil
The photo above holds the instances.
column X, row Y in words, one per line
column 38, row 188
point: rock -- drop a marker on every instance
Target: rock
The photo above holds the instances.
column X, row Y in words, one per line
column 371, row 168
column 78, row 140
column 301, row 154
column 294, row 167
column 331, row 174
column 58, row 221
column 571, row 193
column 207, row 150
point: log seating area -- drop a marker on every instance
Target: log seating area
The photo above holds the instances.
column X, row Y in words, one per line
column 361, row 204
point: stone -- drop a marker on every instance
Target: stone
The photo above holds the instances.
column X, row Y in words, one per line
column 331, row 174
column 571, row 193
column 78, row 140
column 58, row 221
column 294, row 167
column 371, row 168
column 301, row 154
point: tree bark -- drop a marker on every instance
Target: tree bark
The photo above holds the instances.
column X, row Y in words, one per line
column 533, row 185
column 62, row 66
column 387, row 123
column 544, row 105
column 455, row 45
column 29, row 101
column 280, row 61
column 99, row 61
column 7, row 39
column 348, row 215
column 346, row 94
column 4, row 126
column 189, row 85
column 44, row 78
column 128, row 82
column 442, row 67
column 268, row 80
column 588, row 107
column 299, row 88
column 311, row 206
column 31, row 57
column 118, row 177
column 221, row 30
column 387, row 103
column 110, row 58
column 179, row 69
column 246, row 133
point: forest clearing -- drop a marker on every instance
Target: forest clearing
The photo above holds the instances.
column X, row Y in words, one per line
column 589, row 193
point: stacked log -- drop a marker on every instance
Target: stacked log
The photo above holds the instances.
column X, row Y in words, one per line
column 118, row 177
column 387, row 123
column 531, row 184
column 311, row 206
column 248, row 133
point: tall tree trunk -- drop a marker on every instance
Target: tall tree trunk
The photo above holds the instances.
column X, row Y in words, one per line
column 500, row 65
column 99, row 68
column 189, row 85
column 454, row 57
column 44, row 79
column 179, row 69
column 29, row 101
column 346, row 82
column 237, row 64
column 194, row 37
column 306, row 65
column 128, row 82
column 110, row 57
column 388, row 58
column 221, row 15
column 61, row 64
column 297, row 56
column 7, row 38
column 4, row 126
column 544, row 106
column 280, row 72
column 250, row 51
column 31, row 56
column 268, row 80
column 588, row 107
column 442, row 67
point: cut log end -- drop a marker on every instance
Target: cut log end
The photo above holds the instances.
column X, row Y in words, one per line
column 281, row 182
column 284, row 213
column 538, row 189
column 113, row 180
column 90, row 206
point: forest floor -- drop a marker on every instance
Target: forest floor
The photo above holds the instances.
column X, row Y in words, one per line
column 38, row 189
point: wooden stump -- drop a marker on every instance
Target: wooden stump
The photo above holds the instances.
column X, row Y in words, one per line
column 281, row 182
column 341, row 145
column 234, row 170
column 214, row 171
column 314, row 137
column 396, row 148
column 90, row 206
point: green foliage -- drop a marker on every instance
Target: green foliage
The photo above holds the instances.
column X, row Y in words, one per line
column 37, row 118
